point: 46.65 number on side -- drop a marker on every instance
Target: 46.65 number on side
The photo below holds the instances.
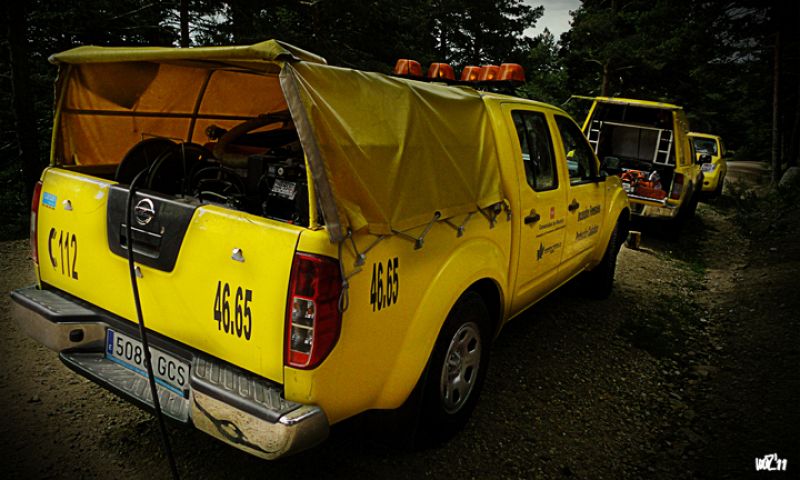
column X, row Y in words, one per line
column 380, row 297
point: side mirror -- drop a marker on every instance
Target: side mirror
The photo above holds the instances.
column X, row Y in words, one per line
column 600, row 177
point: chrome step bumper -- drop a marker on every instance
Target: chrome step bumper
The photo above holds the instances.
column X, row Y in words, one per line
column 237, row 407
column 125, row 382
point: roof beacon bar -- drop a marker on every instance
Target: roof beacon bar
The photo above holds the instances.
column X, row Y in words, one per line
column 407, row 68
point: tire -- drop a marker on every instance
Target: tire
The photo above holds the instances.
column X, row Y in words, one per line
column 456, row 371
column 720, row 185
column 691, row 207
column 685, row 212
column 599, row 282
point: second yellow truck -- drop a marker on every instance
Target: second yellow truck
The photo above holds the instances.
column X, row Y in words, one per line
column 647, row 144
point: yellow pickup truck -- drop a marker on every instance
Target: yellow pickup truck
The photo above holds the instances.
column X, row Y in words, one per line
column 647, row 145
column 303, row 242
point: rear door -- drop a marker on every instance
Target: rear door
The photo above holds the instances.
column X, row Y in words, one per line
column 585, row 197
column 210, row 277
column 543, row 214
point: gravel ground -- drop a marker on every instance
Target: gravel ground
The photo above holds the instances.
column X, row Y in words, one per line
column 689, row 370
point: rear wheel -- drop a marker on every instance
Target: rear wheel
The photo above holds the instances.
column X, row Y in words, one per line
column 691, row 207
column 456, row 370
column 686, row 210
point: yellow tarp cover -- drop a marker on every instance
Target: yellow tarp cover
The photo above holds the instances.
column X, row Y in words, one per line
column 385, row 153
column 396, row 151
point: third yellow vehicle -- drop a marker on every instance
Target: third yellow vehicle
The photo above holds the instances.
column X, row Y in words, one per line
column 711, row 153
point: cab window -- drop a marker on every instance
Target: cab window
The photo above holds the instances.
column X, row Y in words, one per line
column 581, row 161
column 705, row 145
column 537, row 149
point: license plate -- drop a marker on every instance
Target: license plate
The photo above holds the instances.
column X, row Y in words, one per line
column 170, row 372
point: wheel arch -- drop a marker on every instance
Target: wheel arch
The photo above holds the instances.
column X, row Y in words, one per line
column 492, row 296
column 486, row 275
column 618, row 211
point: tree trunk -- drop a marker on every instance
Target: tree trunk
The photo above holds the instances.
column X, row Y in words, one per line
column 25, row 118
column 184, row 14
column 605, row 85
column 793, row 51
column 793, row 159
column 776, row 141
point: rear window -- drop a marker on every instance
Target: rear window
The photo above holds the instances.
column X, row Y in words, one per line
column 537, row 149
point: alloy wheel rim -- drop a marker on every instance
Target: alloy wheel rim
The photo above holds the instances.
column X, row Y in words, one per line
column 460, row 368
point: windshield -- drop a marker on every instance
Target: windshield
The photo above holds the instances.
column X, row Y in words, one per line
column 705, row 145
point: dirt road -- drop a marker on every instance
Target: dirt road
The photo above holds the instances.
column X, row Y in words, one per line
column 689, row 370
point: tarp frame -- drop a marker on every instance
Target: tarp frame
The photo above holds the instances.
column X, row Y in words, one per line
column 197, row 104
column 327, row 202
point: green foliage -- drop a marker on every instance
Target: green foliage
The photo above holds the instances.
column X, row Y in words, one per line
column 372, row 35
column 546, row 77
column 55, row 26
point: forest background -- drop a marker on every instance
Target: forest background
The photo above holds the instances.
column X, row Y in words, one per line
column 733, row 65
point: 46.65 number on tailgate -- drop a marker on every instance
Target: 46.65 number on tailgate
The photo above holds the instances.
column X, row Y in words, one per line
column 241, row 311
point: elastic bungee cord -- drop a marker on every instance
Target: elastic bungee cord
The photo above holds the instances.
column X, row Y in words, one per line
column 142, row 331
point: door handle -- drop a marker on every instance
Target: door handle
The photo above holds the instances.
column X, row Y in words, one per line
column 574, row 205
column 532, row 218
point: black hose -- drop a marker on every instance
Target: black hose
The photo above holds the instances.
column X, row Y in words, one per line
column 143, row 332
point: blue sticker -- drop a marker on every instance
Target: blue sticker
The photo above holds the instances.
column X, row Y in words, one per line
column 49, row 200
column 110, row 343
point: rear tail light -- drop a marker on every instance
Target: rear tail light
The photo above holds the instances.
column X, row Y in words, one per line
column 313, row 320
column 677, row 187
column 37, row 194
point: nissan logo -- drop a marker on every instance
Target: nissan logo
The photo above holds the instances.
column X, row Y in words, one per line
column 144, row 211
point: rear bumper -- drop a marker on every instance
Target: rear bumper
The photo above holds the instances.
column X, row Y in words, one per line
column 652, row 209
column 237, row 407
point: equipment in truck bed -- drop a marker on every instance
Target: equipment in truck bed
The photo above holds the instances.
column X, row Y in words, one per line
column 643, row 184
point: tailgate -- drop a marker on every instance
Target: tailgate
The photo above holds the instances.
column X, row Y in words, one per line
column 211, row 278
